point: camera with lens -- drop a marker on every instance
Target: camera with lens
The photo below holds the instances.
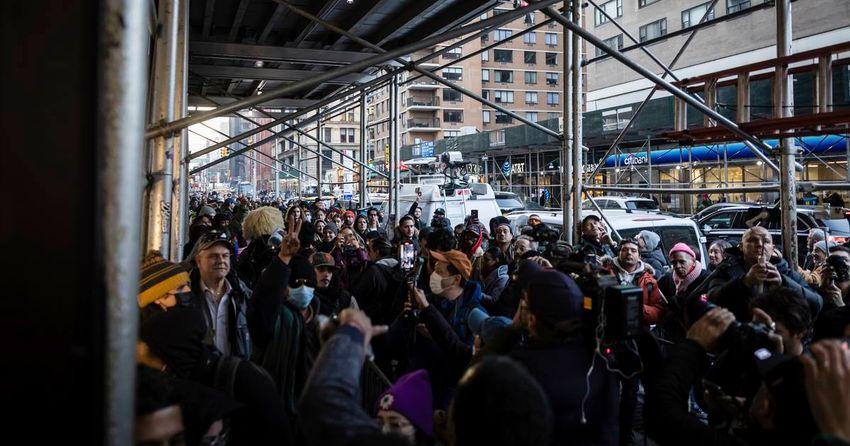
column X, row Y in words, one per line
column 838, row 267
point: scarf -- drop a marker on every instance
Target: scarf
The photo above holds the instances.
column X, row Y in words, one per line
column 683, row 283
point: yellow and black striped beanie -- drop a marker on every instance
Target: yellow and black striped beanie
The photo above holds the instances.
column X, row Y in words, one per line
column 158, row 277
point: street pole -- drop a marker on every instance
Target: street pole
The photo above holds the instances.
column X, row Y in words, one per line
column 157, row 198
column 364, row 193
column 577, row 110
column 394, row 136
column 319, row 157
column 567, row 118
column 180, row 164
column 784, row 101
column 122, row 72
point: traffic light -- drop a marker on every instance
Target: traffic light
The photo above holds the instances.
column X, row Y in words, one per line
column 223, row 152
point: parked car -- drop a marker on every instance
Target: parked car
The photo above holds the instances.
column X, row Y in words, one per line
column 729, row 223
column 621, row 203
column 671, row 229
column 510, row 202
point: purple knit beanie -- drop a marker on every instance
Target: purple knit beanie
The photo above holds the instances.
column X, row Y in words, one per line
column 411, row 397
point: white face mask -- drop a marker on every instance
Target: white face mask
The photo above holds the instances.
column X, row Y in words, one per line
column 436, row 283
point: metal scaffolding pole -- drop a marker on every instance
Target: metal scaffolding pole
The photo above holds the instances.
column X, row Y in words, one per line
column 413, row 66
column 319, row 158
column 394, row 164
column 157, row 197
column 277, row 169
column 578, row 107
column 122, row 81
column 364, row 193
column 180, row 167
column 322, row 77
column 567, row 113
column 784, row 92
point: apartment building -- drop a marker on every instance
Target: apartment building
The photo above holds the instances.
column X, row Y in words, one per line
column 523, row 74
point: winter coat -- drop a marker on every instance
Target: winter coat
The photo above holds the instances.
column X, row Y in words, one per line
column 558, row 366
column 654, row 258
column 238, row 336
column 376, row 289
column 653, row 303
column 254, row 259
column 725, row 286
column 285, row 344
column 673, row 326
column 596, row 247
column 496, row 282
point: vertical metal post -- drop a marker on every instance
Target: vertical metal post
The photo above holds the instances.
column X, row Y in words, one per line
column 511, row 173
column 649, row 162
column 394, row 163
column 122, row 83
column 577, row 108
column 180, row 166
column 277, row 167
column 484, row 160
column 785, row 92
column 824, row 84
column 567, row 118
column 157, row 201
column 364, row 193
column 300, row 169
column 318, row 156
column 742, row 98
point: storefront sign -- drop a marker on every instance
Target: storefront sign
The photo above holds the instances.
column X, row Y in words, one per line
column 635, row 160
column 506, row 168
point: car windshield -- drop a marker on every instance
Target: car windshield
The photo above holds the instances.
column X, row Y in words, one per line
column 670, row 235
column 642, row 205
column 509, row 203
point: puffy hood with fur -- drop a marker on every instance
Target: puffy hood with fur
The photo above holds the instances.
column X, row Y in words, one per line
column 262, row 221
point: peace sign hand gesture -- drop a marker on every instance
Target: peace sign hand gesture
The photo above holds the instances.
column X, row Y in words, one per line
column 290, row 244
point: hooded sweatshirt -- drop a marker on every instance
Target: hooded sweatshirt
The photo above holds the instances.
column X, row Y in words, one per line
column 653, row 254
column 625, row 277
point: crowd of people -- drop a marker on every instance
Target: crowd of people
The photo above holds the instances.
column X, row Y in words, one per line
column 299, row 324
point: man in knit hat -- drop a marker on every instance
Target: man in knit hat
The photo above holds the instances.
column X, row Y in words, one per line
column 406, row 408
column 162, row 283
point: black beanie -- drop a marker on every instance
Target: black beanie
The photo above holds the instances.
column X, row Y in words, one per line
column 301, row 268
column 176, row 336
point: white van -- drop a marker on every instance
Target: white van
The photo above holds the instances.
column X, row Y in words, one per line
column 476, row 197
column 672, row 230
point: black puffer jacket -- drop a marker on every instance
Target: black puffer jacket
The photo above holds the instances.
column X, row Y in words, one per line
column 725, row 286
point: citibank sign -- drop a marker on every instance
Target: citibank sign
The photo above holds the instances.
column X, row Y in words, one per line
column 633, row 160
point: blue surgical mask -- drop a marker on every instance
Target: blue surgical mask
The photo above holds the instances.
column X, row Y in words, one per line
column 301, row 296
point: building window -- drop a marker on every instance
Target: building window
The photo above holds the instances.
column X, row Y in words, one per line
column 485, row 37
column 642, row 3
column 529, row 38
column 551, row 58
column 485, row 56
column 501, row 34
column 327, row 163
column 503, row 97
column 452, row 95
column 452, row 115
column 531, row 97
column 497, row 138
column 551, row 39
column 454, row 74
column 346, row 135
column 531, row 77
column 485, row 75
column 551, row 78
column 616, row 119
column 553, row 98
column 692, row 16
column 485, row 94
column 655, row 29
column 531, row 116
column 503, row 56
column 615, row 42
column 530, row 57
column 555, row 115
column 529, row 18
column 485, row 116
column 736, row 5
column 326, row 134
column 503, row 76
column 453, row 53
column 449, row 134
column 614, row 8
column 503, row 118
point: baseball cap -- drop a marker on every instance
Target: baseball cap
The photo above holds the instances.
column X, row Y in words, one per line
column 211, row 238
column 323, row 259
column 455, row 258
column 439, row 211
